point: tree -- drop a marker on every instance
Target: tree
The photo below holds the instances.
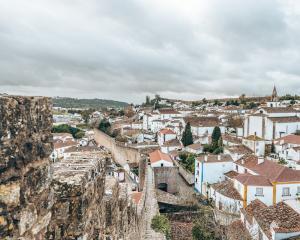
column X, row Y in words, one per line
column 148, row 103
column 160, row 223
column 282, row 161
column 273, row 150
column 216, row 135
column 104, row 125
column 187, row 136
column 86, row 116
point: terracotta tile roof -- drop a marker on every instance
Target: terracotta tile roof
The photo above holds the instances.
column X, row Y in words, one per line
column 281, row 217
column 231, row 174
column 168, row 111
column 202, row 121
column 172, row 143
column 279, row 110
column 253, row 209
column 159, row 155
column 166, row 131
column 237, row 231
column 211, row 158
column 195, row 146
column 293, row 139
column 232, row 139
column 227, row 189
column 239, row 149
column 253, row 180
column 284, row 119
column 273, row 171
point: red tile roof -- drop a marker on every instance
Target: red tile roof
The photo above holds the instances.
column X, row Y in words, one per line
column 253, row 180
column 284, row 119
column 273, row 171
column 202, row 121
column 281, row 217
column 279, row 110
column 195, row 146
column 168, row 111
column 227, row 189
column 211, row 158
column 172, row 143
column 293, row 139
column 159, row 155
column 231, row 174
column 166, row 131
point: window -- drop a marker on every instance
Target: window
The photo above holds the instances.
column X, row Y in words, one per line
column 286, row 191
column 197, row 172
column 245, row 170
column 259, row 192
column 196, row 180
column 161, row 164
column 237, row 168
column 197, row 164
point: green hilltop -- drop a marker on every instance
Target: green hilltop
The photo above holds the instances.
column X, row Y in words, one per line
column 95, row 103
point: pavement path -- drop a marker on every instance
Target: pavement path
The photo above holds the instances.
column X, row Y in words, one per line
column 151, row 207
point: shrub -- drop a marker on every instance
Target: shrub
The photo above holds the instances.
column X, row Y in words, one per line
column 160, row 223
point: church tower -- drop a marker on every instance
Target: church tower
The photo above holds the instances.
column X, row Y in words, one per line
column 274, row 97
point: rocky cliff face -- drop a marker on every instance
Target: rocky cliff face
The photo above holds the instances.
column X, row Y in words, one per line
column 72, row 199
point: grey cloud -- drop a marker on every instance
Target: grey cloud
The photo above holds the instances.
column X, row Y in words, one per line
column 125, row 50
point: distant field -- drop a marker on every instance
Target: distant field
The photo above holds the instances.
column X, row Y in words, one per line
column 87, row 103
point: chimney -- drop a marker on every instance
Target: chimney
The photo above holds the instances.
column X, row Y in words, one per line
column 260, row 160
column 205, row 158
column 219, row 157
column 243, row 161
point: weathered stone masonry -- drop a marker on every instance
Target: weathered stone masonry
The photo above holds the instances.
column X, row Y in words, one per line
column 71, row 199
column 25, row 144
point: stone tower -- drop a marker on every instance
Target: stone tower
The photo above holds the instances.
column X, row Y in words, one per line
column 274, row 97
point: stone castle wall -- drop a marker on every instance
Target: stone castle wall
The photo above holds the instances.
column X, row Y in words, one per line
column 121, row 154
column 72, row 199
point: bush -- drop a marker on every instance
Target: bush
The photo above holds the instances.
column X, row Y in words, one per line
column 65, row 128
column 160, row 223
column 79, row 134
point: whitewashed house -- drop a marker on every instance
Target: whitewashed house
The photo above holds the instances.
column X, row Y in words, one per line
column 256, row 144
column 160, row 159
column 165, row 135
column 272, row 123
column 210, row 169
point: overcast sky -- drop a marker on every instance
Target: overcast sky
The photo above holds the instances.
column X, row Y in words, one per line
column 126, row 49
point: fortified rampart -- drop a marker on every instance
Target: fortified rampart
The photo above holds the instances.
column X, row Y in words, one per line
column 72, row 199
column 121, row 154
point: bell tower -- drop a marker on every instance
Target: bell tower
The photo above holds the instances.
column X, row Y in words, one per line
column 274, row 97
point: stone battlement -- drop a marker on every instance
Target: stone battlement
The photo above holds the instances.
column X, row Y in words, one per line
column 64, row 200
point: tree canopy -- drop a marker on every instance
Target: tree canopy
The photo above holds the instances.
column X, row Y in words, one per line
column 187, row 136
